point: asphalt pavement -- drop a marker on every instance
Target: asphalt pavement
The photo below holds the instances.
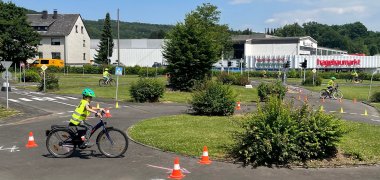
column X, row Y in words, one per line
column 42, row 110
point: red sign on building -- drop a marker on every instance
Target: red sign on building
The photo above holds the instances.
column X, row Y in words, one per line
column 333, row 62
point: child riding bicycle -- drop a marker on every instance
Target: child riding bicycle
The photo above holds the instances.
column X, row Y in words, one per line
column 82, row 111
column 106, row 75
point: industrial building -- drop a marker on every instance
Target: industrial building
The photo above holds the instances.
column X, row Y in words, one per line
column 141, row 52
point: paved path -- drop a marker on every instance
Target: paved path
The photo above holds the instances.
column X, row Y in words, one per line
column 140, row 162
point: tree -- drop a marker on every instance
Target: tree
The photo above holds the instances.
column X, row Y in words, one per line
column 106, row 42
column 18, row 40
column 160, row 34
column 292, row 30
column 373, row 50
column 194, row 46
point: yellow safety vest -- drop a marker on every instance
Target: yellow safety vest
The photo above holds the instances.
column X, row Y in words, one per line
column 80, row 113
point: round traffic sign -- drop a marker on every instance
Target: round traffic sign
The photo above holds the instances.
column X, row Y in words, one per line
column 314, row 70
column 4, row 75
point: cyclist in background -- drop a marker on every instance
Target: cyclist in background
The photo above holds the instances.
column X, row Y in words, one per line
column 355, row 76
column 106, row 75
column 331, row 85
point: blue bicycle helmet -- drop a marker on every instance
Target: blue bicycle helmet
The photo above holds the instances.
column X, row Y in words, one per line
column 88, row 92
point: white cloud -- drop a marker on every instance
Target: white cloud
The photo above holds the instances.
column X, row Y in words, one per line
column 234, row 2
column 332, row 15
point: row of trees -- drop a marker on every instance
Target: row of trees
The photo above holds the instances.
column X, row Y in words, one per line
column 353, row 37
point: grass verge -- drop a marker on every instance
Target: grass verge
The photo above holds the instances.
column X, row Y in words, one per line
column 187, row 134
column 75, row 83
column 4, row 113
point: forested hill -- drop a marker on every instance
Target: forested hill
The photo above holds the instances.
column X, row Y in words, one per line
column 128, row 30
column 353, row 37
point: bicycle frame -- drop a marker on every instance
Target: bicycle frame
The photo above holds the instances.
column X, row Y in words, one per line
column 99, row 125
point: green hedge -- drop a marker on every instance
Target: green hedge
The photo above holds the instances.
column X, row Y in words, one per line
column 279, row 134
column 147, row 89
column 265, row 90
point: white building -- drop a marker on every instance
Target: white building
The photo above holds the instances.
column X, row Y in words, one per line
column 64, row 36
column 275, row 46
column 142, row 52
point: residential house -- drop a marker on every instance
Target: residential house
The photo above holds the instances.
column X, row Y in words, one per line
column 64, row 36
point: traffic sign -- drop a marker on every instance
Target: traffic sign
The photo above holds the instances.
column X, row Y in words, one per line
column 314, row 71
column 4, row 75
column 44, row 67
column 119, row 71
column 6, row 64
column 30, row 61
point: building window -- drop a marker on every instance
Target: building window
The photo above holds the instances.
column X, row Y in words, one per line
column 40, row 55
column 44, row 61
column 55, row 41
column 56, row 55
column 76, row 28
column 84, row 56
column 81, row 29
column 84, row 43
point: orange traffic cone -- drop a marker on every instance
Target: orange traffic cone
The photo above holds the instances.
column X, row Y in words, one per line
column 306, row 100
column 354, row 100
column 108, row 114
column 204, row 158
column 299, row 97
column 238, row 106
column 31, row 143
column 176, row 172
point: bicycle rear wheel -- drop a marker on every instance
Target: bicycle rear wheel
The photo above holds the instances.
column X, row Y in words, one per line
column 101, row 82
column 112, row 144
column 59, row 143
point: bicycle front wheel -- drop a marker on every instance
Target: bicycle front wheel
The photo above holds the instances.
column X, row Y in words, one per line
column 112, row 144
column 59, row 143
column 338, row 95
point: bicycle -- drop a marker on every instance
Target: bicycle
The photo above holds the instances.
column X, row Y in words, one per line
column 62, row 140
column 103, row 82
column 354, row 80
column 335, row 93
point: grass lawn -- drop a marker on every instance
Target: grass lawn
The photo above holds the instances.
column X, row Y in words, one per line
column 187, row 134
column 377, row 105
column 6, row 112
column 75, row 83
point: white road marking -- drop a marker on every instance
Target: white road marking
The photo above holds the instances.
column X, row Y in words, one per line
column 38, row 99
column 62, row 98
column 70, row 111
column 11, row 149
column 375, row 120
column 332, row 111
column 64, row 103
column 375, row 116
column 354, row 113
column 49, row 98
column 37, row 93
column 14, row 100
column 25, row 99
column 61, row 113
column 70, row 97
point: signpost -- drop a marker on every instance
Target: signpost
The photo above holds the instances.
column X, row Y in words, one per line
column 118, row 72
column 6, row 65
column 44, row 67
column 314, row 71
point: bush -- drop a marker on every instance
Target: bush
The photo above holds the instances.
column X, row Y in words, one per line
column 214, row 99
column 241, row 80
column 280, row 134
column 309, row 81
column 51, row 82
column 375, row 97
column 265, row 90
column 226, row 78
column 31, row 76
column 147, row 89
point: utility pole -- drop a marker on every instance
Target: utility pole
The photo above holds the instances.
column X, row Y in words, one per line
column 118, row 53
column 108, row 51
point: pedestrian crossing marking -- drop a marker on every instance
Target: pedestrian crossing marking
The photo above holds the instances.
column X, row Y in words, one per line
column 49, row 98
column 25, row 99
column 14, row 100
column 38, row 99
column 61, row 98
column 70, row 97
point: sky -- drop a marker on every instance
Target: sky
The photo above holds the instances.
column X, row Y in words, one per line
column 238, row 14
